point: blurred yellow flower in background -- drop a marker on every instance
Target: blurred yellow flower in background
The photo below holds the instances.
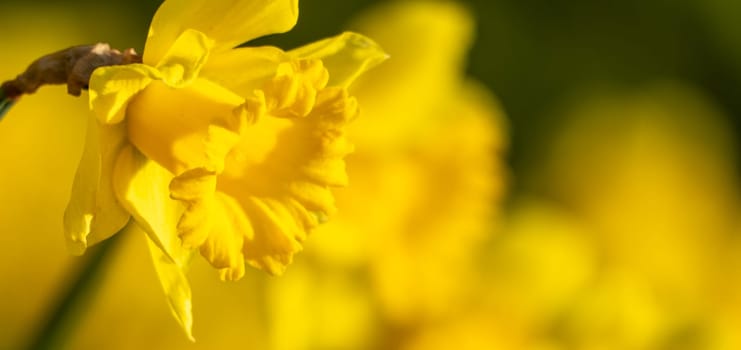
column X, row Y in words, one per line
column 231, row 151
column 426, row 180
column 432, row 173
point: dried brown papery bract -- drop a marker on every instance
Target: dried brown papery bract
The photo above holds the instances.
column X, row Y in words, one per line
column 72, row 66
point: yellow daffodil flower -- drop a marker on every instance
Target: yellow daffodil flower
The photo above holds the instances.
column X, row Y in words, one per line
column 227, row 151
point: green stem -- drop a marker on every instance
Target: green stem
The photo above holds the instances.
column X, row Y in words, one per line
column 65, row 313
column 5, row 104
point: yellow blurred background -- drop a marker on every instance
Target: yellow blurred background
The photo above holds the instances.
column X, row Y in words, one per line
column 526, row 176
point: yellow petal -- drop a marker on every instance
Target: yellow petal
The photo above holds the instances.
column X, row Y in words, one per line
column 142, row 187
column 244, row 69
column 277, row 234
column 185, row 128
column 196, row 189
column 223, row 247
column 228, row 22
column 93, row 213
column 171, row 271
column 313, row 196
column 185, row 58
column 112, row 87
column 293, row 90
column 345, row 56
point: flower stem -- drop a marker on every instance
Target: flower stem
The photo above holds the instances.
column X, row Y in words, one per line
column 5, row 104
column 65, row 313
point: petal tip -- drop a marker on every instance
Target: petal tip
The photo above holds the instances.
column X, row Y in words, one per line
column 187, row 323
column 232, row 274
column 346, row 56
column 369, row 49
